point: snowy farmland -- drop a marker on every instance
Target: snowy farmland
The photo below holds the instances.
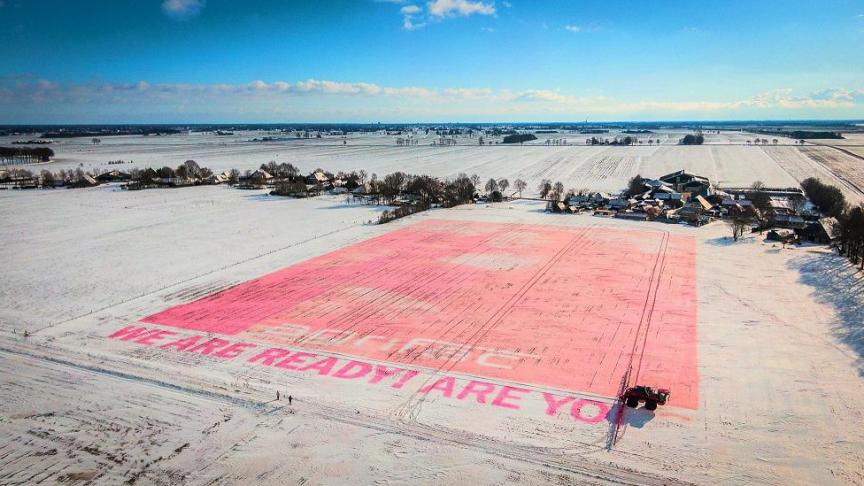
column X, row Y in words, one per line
column 725, row 159
column 480, row 344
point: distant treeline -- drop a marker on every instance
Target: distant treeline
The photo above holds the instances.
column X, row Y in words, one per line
column 597, row 131
column 793, row 128
column 519, row 138
column 803, row 134
column 693, row 140
column 71, row 132
column 628, row 140
column 25, row 155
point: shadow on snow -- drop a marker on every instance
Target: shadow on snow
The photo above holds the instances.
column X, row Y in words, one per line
column 838, row 283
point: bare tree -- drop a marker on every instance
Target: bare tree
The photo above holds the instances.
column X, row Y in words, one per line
column 739, row 224
column 762, row 202
column 491, row 186
column 233, row 176
column 393, row 185
column 557, row 192
column 285, row 171
column 475, row 179
column 635, row 186
column 47, row 178
column 544, row 188
column 503, row 184
column 192, row 168
column 558, row 187
column 519, row 185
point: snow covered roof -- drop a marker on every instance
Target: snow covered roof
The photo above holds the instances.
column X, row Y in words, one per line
column 739, row 202
column 780, row 203
column 655, row 183
column 704, row 202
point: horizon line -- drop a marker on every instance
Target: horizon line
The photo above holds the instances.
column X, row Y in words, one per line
column 499, row 122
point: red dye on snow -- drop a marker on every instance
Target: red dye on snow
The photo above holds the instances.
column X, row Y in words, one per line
column 449, row 387
column 567, row 308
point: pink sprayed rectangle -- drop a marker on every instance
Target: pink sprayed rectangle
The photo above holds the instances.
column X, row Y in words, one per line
column 569, row 308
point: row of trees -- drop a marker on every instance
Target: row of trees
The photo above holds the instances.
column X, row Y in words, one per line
column 553, row 192
column 25, row 155
column 763, row 141
column 827, row 198
column 497, row 189
column 628, row 140
column 519, row 138
column 46, row 178
column 187, row 171
column 697, row 139
column 281, row 171
column 425, row 189
column 849, row 229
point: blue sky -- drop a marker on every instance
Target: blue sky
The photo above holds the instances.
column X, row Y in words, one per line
column 434, row 60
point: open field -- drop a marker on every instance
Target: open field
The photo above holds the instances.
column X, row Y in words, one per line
column 846, row 167
column 476, row 344
column 607, row 168
column 849, row 139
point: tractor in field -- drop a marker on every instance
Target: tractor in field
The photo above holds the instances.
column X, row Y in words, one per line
column 651, row 396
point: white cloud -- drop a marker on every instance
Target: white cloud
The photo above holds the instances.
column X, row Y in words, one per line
column 409, row 13
column 487, row 29
column 409, row 24
column 182, row 9
column 46, row 85
column 446, row 8
column 415, row 16
column 581, row 29
column 281, row 86
column 258, row 85
column 31, row 95
column 334, row 87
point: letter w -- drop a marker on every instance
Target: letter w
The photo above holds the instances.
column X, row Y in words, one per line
column 129, row 332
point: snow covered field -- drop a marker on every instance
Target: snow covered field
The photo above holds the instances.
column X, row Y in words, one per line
column 725, row 159
column 774, row 335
